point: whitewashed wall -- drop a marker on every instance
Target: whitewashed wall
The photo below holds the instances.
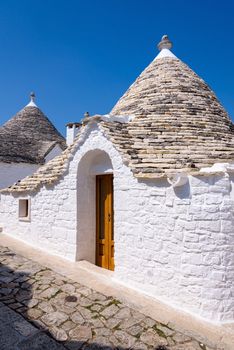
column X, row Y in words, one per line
column 53, row 153
column 10, row 173
column 177, row 245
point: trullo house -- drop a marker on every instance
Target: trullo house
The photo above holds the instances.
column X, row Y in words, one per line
column 27, row 141
column 145, row 191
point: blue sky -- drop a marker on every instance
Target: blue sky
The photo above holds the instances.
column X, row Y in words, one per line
column 82, row 55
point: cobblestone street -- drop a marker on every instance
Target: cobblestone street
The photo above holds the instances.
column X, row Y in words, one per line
column 41, row 309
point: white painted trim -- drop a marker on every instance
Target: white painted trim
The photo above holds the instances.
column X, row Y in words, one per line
column 117, row 118
column 218, row 168
column 165, row 53
column 178, row 179
column 31, row 104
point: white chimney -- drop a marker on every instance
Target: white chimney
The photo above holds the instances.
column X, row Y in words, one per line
column 72, row 130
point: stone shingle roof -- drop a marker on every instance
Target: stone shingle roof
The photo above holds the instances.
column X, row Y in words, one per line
column 28, row 137
column 51, row 171
column 179, row 123
column 179, row 126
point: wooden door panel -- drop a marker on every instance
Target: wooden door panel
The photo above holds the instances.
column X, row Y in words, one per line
column 104, row 222
column 111, row 227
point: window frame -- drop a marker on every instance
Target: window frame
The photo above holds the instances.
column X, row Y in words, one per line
column 27, row 209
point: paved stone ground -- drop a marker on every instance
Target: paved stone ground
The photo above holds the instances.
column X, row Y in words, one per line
column 18, row 334
column 43, row 310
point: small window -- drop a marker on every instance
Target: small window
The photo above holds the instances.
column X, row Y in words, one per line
column 24, row 209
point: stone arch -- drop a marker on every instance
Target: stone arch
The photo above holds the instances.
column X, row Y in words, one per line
column 94, row 162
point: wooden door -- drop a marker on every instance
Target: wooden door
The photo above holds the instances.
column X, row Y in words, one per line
column 104, row 222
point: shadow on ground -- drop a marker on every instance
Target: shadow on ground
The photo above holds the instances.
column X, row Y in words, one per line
column 20, row 328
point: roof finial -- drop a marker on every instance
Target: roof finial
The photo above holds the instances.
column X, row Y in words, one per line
column 32, row 100
column 32, row 96
column 165, row 43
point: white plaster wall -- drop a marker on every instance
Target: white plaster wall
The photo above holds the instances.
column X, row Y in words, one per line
column 71, row 133
column 52, row 225
column 57, row 150
column 176, row 245
column 12, row 172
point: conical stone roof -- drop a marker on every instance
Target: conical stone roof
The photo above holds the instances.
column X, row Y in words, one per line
column 179, row 126
column 179, row 123
column 28, row 137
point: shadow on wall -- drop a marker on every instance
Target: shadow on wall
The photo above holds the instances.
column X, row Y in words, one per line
column 155, row 183
column 27, row 294
column 183, row 192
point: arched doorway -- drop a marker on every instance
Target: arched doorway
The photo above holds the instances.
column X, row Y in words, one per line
column 95, row 214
